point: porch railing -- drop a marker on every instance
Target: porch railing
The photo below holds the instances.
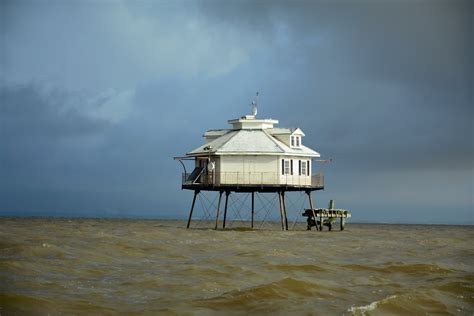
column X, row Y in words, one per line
column 252, row 178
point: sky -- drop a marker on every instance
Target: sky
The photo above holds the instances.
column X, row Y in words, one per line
column 97, row 97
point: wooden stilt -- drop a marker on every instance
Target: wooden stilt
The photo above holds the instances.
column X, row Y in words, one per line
column 281, row 211
column 253, row 206
column 227, row 193
column 196, row 192
column 343, row 221
column 284, row 210
column 312, row 209
column 218, row 209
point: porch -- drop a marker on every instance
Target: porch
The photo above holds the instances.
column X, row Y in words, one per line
column 201, row 179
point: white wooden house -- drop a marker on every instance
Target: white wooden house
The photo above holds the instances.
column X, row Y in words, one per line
column 253, row 154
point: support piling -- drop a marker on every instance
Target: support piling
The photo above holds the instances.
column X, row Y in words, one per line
column 227, row 193
column 281, row 211
column 284, row 210
column 253, row 206
column 218, row 209
column 196, row 192
column 312, row 209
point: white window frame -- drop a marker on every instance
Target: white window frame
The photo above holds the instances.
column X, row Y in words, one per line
column 304, row 167
column 286, row 164
column 298, row 141
column 292, row 141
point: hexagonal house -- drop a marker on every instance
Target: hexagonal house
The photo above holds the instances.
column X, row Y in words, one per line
column 252, row 156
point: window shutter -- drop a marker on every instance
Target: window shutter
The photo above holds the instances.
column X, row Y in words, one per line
column 283, row 166
column 308, row 168
column 291, row 166
column 299, row 167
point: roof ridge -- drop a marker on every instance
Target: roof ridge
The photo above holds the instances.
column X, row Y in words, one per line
column 273, row 139
column 236, row 132
column 213, row 142
column 219, row 129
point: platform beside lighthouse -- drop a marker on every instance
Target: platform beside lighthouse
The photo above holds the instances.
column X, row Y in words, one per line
column 252, row 156
column 251, row 181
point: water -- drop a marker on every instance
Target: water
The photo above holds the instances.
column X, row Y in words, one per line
column 76, row 266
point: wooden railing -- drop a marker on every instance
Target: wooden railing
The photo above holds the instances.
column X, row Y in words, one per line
column 317, row 180
column 252, row 178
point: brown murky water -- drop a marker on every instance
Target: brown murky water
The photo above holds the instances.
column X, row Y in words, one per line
column 90, row 266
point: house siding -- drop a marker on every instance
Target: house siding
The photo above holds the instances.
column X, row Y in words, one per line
column 252, row 169
column 294, row 178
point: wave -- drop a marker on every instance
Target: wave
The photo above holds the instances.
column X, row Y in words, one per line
column 18, row 304
column 12, row 304
column 39, row 250
column 362, row 310
column 462, row 288
column 409, row 303
column 309, row 268
column 390, row 267
column 269, row 297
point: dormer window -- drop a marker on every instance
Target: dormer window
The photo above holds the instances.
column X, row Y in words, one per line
column 291, row 137
column 295, row 141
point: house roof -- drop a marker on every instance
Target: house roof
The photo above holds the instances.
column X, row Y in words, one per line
column 281, row 131
column 215, row 132
column 249, row 142
column 285, row 131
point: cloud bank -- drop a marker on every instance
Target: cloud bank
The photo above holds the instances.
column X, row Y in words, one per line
column 96, row 99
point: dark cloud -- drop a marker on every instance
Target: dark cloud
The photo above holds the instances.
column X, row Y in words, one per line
column 27, row 111
column 389, row 82
column 385, row 89
column 423, row 45
column 36, row 125
column 57, row 158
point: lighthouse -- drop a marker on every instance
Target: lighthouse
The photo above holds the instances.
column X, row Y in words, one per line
column 252, row 156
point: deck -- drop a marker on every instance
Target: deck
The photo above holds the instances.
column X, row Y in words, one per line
column 327, row 216
column 250, row 182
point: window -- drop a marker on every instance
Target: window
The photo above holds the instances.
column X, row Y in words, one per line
column 286, row 167
column 303, row 168
column 297, row 141
column 292, row 141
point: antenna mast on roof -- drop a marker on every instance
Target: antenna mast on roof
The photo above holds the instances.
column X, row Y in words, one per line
column 254, row 105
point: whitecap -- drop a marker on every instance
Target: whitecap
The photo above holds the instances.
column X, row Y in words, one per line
column 361, row 310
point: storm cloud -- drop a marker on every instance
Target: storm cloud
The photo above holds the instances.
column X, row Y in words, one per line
column 96, row 99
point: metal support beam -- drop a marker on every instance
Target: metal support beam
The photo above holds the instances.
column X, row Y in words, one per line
column 312, row 209
column 192, row 208
column 218, row 209
column 281, row 211
column 253, row 206
column 227, row 193
column 284, row 209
